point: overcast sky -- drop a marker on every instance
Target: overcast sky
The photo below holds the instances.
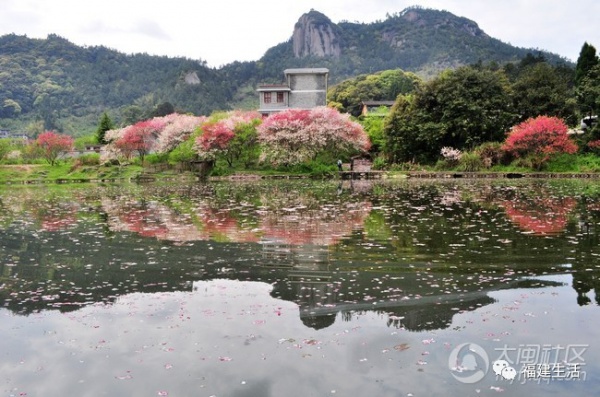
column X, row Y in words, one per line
column 222, row 31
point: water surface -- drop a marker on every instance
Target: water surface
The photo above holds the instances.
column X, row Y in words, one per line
column 300, row 288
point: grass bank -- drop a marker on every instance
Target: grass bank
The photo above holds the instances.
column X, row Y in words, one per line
column 76, row 172
column 66, row 173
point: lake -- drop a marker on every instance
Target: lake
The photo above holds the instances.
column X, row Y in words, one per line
column 301, row 288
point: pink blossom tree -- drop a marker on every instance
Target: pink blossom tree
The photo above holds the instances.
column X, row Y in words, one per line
column 228, row 135
column 54, row 145
column 295, row 136
column 539, row 139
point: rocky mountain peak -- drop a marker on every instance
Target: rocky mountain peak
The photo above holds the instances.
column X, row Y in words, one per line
column 315, row 35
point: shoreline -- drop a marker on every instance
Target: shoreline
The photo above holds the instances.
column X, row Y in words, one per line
column 150, row 178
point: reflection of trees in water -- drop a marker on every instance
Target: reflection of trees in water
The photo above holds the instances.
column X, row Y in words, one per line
column 586, row 268
column 542, row 215
column 407, row 224
column 282, row 220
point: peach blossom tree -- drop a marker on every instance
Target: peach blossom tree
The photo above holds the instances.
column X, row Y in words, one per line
column 295, row 136
column 228, row 135
column 53, row 145
column 140, row 137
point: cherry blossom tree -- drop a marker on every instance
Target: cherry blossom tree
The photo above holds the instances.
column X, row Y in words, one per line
column 110, row 151
column 177, row 129
column 539, row 138
column 54, row 145
column 296, row 135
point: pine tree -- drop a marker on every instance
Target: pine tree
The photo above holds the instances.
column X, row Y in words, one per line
column 586, row 61
column 104, row 125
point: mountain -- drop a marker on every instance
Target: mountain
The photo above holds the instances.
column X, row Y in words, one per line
column 420, row 40
column 67, row 87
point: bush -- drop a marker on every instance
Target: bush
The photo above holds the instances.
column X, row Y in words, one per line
column 184, row 152
column 451, row 156
column 89, row 159
column 13, row 157
column 491, row 154
column 533, row 161
column 379, row 163
column 538, row 139
column 32, row 153
column 156, row 158
column 470, row 162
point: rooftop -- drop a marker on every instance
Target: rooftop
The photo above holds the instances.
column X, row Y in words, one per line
column 306, row 71
column 378, row 103
column 273, row 87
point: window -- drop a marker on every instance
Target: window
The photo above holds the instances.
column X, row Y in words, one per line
column 280, row 97
column 267, row 97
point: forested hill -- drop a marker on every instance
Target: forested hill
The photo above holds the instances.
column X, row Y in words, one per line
column 58, row 81
column 66, row 87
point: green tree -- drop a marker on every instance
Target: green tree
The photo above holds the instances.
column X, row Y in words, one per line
column 403, row 141
column 163, row 109
column 10, row 108
column 541, row 90
column 588, row 92
column 461, row 108
column 104, row 125
column 373, row 125
column 387, row 85
column 588, row 97
column 586, row 61
column 131, row 114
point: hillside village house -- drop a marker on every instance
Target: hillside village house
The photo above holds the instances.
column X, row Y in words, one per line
column 304, row 88
column 372, row 107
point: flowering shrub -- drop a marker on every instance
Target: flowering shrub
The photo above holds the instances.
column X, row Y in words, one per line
column 451, row 155
column 491, row 153
column 539, row 138
column 294, row 136
column 594, row 145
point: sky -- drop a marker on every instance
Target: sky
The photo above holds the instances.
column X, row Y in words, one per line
column 222, row 31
